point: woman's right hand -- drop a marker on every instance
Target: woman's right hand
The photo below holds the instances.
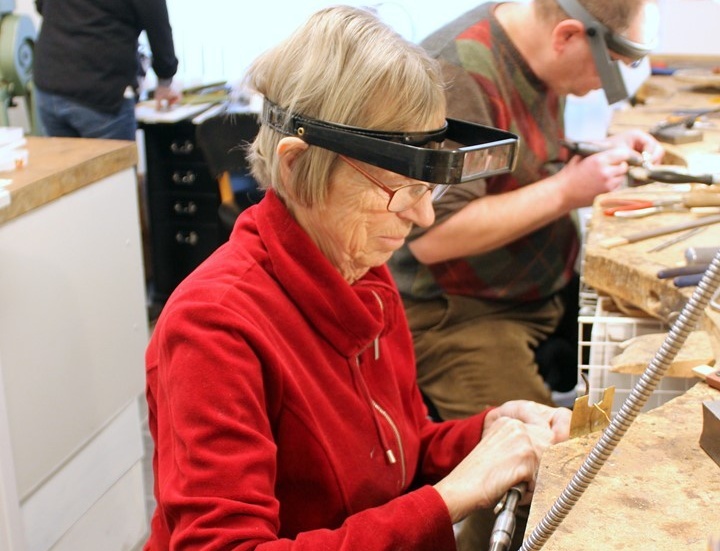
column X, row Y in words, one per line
column 508, row 453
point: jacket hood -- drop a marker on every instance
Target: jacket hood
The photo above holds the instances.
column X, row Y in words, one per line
column 349, row 317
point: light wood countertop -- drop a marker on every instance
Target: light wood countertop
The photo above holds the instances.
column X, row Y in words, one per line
column 658, row 489
column 629, row 272
column 58, row 166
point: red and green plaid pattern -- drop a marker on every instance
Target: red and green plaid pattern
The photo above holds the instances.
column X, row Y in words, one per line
column 512, row 98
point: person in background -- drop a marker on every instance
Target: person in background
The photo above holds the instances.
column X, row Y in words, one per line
column 483, row 286
column 489, row 285
column 86, row 65
column 281, row 382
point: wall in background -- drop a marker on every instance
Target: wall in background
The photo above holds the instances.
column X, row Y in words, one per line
column 220, row 43
column 217, row 39
column 689, row 27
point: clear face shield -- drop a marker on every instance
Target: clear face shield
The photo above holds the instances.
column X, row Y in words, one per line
column 482, row 151
column 603, row 41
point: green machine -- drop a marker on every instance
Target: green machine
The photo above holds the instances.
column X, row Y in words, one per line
column 17, row 44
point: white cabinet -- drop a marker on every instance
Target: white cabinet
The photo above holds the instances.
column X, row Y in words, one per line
column 73, row 331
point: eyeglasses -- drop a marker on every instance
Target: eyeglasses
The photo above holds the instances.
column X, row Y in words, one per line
column 400, row 199
column 632, row 63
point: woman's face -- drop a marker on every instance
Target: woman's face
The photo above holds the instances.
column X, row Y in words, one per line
column 353, row 228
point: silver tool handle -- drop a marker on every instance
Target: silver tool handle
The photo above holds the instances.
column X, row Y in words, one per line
column 504, row 527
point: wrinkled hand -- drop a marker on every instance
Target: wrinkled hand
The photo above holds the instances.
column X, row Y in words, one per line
column 556, row 420
column 165, row 96
column 508, row 453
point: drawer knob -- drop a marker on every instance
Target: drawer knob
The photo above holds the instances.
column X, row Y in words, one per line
column 187, row 178
column 182, row 148
column 187, row 238
column 188, row 208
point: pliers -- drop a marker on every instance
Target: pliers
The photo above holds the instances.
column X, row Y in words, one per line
column 637, row 208
column 624, row 207
column 642, row 160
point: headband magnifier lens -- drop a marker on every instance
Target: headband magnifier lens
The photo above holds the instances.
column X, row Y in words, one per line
column 478, row 151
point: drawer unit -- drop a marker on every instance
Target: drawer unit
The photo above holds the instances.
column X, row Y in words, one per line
column 183, row 200
column 184, row 246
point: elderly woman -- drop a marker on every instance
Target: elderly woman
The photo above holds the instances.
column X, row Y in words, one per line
column 280, row 376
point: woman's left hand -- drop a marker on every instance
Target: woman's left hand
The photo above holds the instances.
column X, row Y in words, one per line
column 557, row 420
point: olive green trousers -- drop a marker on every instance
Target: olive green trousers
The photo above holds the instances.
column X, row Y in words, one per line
column 472, row 354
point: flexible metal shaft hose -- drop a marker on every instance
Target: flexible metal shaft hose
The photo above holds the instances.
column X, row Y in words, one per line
column 639, row 395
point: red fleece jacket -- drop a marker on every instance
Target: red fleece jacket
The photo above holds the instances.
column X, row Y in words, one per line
column 284, row 409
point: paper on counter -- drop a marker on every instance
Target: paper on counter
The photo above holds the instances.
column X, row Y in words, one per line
column 146, row 112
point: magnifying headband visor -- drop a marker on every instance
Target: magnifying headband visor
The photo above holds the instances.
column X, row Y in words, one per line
column 483, row 151
column 602, row 41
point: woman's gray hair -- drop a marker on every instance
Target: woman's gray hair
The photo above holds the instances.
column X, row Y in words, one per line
column 344, row 66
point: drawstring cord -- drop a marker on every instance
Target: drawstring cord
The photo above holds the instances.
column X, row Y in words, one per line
column 389, row 455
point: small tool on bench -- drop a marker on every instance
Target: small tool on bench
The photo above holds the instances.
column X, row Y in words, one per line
column 709, row 374
column 684, row 276
column 637, row 207
column 611, row 242
column 700, row 255
column 681, row 130
column 677, row 239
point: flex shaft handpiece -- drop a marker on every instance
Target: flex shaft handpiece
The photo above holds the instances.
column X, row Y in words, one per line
column 584, row 149
column 666, row 176
column 504, row 527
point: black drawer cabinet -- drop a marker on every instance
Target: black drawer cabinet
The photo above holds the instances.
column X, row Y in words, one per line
column 182, row 201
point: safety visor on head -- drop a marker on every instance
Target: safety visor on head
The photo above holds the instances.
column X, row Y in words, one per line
column 482, row 151
column 603, row 41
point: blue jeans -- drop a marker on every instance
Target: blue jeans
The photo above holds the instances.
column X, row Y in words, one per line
column 64, row 117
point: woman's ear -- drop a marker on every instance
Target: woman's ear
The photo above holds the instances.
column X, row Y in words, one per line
column 288, row 151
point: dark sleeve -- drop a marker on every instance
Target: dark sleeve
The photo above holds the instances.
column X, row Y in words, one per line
column 156, row 22
column 38, row 6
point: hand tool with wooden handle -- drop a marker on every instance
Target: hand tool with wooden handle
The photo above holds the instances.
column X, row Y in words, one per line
column 695, row 199
column 647, row 234
column 698, row 202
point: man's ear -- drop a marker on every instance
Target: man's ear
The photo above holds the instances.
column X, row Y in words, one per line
column 567, row 33
column 288, row 151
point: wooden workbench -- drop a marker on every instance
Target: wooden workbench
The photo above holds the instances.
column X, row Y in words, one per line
column 59, row 166
column 657, row 491
column 629, row 272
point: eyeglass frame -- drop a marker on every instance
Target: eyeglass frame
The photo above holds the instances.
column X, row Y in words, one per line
column 603, row 41
column 401, row 152
column 392, row 193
